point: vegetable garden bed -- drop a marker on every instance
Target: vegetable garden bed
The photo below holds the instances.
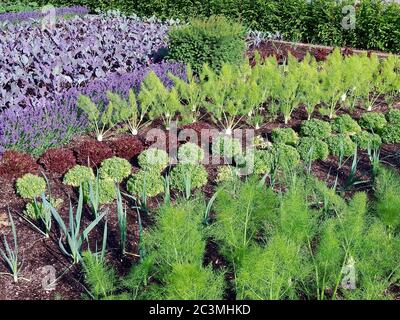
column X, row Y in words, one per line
column 320, row 129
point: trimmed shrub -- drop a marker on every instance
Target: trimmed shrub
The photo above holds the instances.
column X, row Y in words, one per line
column 153, row 159
column 285, row 135
column 341, row 145
column 316, row 128
column 190, row 153
column 31, row 186
column 148, row 181
column 346, row 124
column 365, row 140
column 78, row 175
column 226, row 146
column 313, row 149
column 393, row 116
column 391, row 133
column 212, row 41
column 373, row 121
column 197, row 175
column 58, row 160
column 115, row 168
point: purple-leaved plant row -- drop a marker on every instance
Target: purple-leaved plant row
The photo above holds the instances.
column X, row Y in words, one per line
column 39, row 63
column 27, row 15
column 48, row 124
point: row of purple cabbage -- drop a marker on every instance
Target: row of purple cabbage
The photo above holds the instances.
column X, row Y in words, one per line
column 27, row 15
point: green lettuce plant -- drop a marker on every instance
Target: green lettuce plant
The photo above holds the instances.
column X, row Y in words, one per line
column 190, row 153
column 285, row 135
column 393, row 116
column 30, row 186
column 115, row 168
column 78, row 175
column 226, row 146
column 373, row 121
column 147, row 183
column 153, row 159
column 391, row 133
column 311, row 149
column 316, row 128
column 366, row 140
column 345, row 124
column 341, row 145
column 192, row 175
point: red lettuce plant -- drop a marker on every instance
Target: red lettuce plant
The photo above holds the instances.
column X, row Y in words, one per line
column 58, row 160
column 91, row 153
column 15, row 164
column 127, row 147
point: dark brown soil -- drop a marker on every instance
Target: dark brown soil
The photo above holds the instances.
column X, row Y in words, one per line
column 281, row 50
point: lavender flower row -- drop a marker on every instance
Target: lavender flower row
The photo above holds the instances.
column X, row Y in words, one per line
column 48, row 124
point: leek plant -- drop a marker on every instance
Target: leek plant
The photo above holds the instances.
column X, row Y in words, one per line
column 122, row 219
column 10, row 254
column 74, row 237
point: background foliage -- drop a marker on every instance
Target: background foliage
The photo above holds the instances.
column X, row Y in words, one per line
column 317, row 21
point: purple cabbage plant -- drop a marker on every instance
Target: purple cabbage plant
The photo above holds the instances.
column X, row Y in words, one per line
column 46, row 62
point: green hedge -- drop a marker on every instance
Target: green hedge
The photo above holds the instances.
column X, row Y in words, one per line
column 317, row 21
